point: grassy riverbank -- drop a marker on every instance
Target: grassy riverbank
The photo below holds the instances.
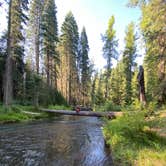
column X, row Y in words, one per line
column 19, row 113
column 137, row 139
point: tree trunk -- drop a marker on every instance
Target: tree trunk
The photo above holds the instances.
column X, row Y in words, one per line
column 51, row 71
column 141, row 83
column 8, row 81
column 55, row 75
column 37, row 51
column 48, row 69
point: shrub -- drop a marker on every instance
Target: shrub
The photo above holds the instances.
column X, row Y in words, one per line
column 109, row 106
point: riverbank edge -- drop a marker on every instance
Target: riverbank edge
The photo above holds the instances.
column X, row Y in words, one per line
column 20, row 113
column 137, row 155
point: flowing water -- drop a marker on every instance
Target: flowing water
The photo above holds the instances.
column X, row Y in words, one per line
column 63, row 141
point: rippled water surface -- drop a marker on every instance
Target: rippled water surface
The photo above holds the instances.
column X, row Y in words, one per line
column 64, row 141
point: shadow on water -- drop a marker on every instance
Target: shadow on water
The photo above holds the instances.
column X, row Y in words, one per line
column 64, row 141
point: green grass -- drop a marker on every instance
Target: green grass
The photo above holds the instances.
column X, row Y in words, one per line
column 134, row 142
column 16, row 114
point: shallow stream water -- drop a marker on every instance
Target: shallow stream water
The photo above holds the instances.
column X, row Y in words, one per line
column 62, row 141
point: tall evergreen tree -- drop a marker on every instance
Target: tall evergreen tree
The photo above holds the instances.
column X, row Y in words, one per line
column 34, row 39
column 152, row 26
column 14, row 60
column 100, row 87
column 109, row 50
column 68, row 55
column 34, row 31
column 84, row 66
column 116, row 84
column 50, row 39
column 129, row 56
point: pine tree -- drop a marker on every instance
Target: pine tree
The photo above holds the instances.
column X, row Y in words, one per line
column 14, row 61
column 152, row 26
column 34, row 41
column 109, row 50
column 34, row 29
column 68, row 56
column 129, row 56
column 100, row 89
column 116, row 84
column 84, row 67
column 50, row 39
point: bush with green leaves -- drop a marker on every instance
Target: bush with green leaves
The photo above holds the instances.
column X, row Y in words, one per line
column 109, row 106
column 36, row 90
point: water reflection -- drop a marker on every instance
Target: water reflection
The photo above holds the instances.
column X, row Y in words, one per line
column 66, row 141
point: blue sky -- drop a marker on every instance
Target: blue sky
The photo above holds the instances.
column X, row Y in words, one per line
column 94, row 15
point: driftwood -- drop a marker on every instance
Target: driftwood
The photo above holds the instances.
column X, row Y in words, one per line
column 110, row 115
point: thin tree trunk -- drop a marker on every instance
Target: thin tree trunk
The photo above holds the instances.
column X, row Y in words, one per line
column 51, row 71
column 48, row 69
column 8, row 81
column 61, row 76
column 37, row 52
column 55, row 75
column 67, row 77
column 140, row 78
column 106, row 84
column 36, row 99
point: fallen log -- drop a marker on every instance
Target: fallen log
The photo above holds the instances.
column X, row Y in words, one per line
column 109, row 115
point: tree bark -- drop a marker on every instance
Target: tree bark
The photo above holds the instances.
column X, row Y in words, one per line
column 37, row 51
column 48, row 68
column 8, row 81
column 141, row 83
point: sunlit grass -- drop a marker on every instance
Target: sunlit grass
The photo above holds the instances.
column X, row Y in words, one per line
column 18, row 113
column 134, row 141
column 147, row 157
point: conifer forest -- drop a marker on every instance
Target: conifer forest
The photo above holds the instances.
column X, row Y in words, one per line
column 45, row 64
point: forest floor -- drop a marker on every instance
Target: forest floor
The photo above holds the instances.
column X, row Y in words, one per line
column 19, row 113
column 137, row 139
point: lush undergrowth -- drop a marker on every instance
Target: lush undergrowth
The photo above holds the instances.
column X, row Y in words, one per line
column 108, row 106
column 18, row 113
column 137, row 139
column 59, row 107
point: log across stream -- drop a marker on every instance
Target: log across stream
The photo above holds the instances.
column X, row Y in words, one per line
column 84, row 113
